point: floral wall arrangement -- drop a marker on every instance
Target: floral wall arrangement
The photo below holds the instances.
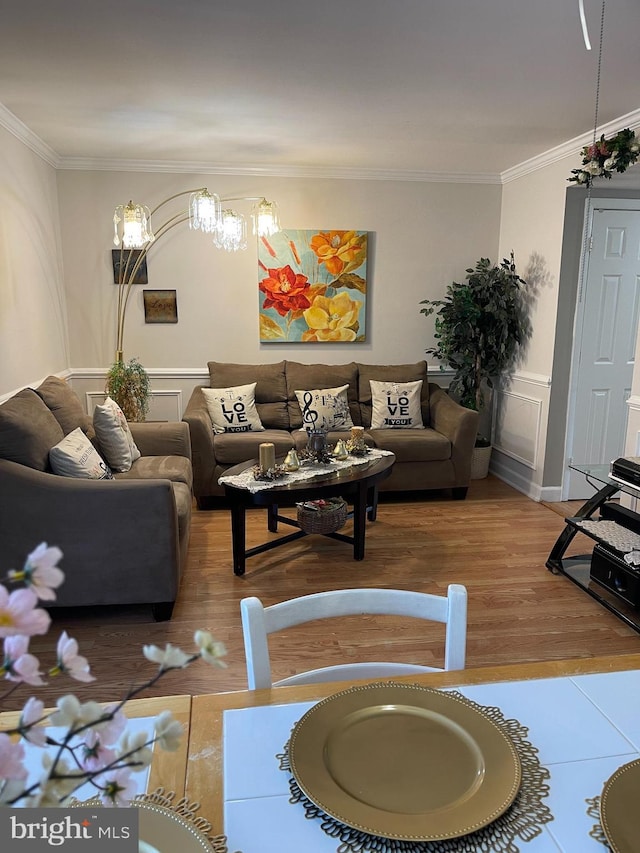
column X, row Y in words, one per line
column 313, row 286
column 606, row 156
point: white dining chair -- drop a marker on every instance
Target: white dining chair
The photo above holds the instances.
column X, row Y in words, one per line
column 259, row 621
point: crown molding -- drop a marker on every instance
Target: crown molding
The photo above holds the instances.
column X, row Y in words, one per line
column 20, row 130
column 283, row 171
column 572, row 146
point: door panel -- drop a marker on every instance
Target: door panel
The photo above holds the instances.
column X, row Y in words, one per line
column 606, row 336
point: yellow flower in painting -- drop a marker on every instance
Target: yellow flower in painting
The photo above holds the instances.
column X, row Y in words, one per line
column 340, row 251
column 331, row 318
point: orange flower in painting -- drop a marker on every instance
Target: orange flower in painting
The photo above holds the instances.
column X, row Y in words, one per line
column 332, row 318
column 339, row 251
column 285, row 290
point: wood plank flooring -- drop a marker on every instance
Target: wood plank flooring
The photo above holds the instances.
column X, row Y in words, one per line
column 495, row 542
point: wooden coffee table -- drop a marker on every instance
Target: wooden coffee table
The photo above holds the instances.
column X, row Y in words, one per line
column 358, row 485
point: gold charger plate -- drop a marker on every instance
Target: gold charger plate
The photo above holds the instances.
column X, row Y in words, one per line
column 163, row 828
column 619, row 808
column 403, row 761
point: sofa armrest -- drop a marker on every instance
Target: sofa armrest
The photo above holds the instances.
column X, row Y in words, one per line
column 119, row 538
column 196, row 415
column 162, row 439
column 459, row 424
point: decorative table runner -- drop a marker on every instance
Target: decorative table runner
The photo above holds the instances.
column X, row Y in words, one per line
column 246, row 480
column 523, row 819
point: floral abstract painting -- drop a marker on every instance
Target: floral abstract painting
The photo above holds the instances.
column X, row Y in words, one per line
column 313, row 286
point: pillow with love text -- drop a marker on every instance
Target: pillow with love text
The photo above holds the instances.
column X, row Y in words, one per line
column 396, row 405
column 233, row 409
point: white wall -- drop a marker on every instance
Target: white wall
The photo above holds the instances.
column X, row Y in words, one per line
column 33, row 323
column 532, row 226
column 544, row 227
column 422, row 236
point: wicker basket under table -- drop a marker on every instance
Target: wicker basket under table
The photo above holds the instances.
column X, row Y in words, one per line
column 324, row 519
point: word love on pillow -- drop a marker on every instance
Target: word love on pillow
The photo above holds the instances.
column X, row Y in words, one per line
column 233, row 409
column 396, row 405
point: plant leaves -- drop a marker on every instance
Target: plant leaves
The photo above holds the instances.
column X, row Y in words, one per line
column 269, row 329
column 352, row 281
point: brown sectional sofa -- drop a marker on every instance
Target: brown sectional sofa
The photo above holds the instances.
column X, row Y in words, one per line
column 438, row 457
column 124, row 540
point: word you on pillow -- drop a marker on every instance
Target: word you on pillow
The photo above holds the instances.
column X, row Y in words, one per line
column 325, row 408
column 396, row 405
column 233, row 409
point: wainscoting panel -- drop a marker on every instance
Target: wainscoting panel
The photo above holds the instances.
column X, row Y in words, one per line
column 517, row 426
column 164, row 405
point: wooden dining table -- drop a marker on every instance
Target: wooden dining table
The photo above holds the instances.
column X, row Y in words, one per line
column 584, row 734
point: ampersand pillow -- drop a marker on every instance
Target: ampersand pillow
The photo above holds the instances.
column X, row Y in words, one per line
column 75, row 456
column 396, row 405
column 233, row 409
column 325, row 408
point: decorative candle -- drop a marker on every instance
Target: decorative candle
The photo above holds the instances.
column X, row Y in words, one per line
column 267, row 456
column 357, row 437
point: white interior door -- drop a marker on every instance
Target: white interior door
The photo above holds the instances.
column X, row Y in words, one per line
column 606, row 330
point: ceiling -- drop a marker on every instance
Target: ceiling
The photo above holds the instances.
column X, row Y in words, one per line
column 340, row 86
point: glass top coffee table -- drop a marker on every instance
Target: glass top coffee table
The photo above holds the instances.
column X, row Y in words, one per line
column 358, row 484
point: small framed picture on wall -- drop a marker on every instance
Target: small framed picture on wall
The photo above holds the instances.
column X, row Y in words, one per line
column 160, row 306
column 124, row 261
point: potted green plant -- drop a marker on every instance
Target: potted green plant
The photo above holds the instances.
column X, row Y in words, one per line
column 479, row 327
column 128, row 384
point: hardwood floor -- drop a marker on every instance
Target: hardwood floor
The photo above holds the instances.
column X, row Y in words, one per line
column 495, row 542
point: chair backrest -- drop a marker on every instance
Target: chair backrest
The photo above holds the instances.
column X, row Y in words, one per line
column 259, row 621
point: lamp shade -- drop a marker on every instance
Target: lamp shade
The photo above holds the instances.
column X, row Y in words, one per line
column 231, row 235
column 204, row 211
column 265, row 218
column 132, row 226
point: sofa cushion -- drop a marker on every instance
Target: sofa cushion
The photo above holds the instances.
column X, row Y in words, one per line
column 306, row 377
column 233, row 448
column 271, row 388
column 75, row 456
column 114, row 435
column 62, row 401
column 413, row 445
column 175, row 468
column 325, row 408
column 396, row 405
column 28, row 430
column 391, row 373
column 233, row 409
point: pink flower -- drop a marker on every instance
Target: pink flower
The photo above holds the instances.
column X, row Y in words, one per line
column 111, row 730
column 118, row 789
column 33, row 713
column 95, row 754
column 11, row 758
column 69, row 661
column 41, row 572
column 18, row 665
column 20, row 615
